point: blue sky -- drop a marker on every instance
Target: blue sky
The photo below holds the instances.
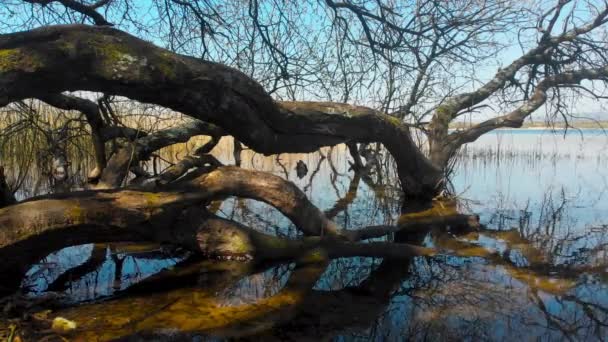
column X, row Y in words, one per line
column 146, row 11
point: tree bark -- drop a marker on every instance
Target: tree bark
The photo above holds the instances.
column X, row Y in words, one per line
column 6, row 193
column 192, row 228
column 78, row 57
column 119, row 164
column 32, row 229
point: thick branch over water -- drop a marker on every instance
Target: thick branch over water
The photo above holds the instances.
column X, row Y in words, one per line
column 32, row 229
column 76, row 57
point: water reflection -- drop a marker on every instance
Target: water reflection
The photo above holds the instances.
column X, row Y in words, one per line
column 536, row 270
column 443, row 297
column 91, row 271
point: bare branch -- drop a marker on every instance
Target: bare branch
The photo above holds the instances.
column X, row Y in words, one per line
column 516, row 117
column 75, row 5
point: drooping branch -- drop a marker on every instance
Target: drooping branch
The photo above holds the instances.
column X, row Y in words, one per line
column 111, row 208
column 34, row 228
column 130, row 155
column 361, row 124
column 102, row 59
column 217, row 236
column 271, row 189
column 93, row 116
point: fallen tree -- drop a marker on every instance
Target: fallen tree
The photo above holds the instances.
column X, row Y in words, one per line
column 410, row 54
column 175, row 214
column 44, row 63
column 80, row 57
column 168, row 299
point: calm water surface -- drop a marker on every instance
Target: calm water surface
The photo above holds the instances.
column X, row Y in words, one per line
column 542, row 196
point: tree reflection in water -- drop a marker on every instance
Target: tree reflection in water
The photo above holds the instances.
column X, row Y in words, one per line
column 532, row 273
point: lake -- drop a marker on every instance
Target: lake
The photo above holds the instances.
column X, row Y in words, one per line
column 542, row 197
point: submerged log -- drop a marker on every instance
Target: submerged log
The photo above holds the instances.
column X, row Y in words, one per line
column 163, row 303
column 32, row 229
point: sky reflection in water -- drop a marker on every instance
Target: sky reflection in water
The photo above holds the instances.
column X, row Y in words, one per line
column 528, row 183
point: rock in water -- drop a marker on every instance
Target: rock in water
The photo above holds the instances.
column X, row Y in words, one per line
column 61, row 324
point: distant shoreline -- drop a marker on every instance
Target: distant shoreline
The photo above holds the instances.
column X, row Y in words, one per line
column 582, row 126
column 543, row 128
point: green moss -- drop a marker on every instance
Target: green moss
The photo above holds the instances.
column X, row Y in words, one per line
column 394, row 120
column 240, row 244
column 443, row 114
column 441, row 110
column 274, row 242
column 165, row 64
column 75, row 214
column 152, row 199
column 15, row 59
column 117, row 60
column 68, row 47
column 112, row 52
column 9, row 57
column 316, row 255
column 62, row 325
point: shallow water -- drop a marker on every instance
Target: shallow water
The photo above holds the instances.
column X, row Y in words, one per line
column 542, row 196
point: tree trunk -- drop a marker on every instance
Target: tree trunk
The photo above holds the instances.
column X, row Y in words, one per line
column 77, row 57
column 32, row 229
